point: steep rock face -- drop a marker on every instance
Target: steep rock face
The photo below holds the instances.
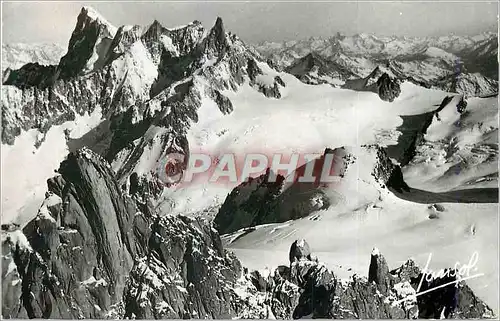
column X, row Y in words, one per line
column 93, row 252
column 80, row 243
column 216, row 43
column 88, row 49
column 185, row 273
column 272, row 198
column 124, row 69
column 88, row 46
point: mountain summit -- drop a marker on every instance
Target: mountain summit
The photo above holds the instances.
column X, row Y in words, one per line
column 123, row 66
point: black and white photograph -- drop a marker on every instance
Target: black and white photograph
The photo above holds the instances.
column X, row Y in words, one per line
column 249, row 160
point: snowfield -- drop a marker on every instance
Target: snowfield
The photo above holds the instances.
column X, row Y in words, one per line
column 309, row 118
column 25, row 168
column 400, row 229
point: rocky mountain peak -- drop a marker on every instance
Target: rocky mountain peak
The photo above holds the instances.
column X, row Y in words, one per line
column 216, row 41
column 89, row 15
column 313, row 58
column 378, row 271
column 156, row 24
column 88, row 44
column 154, row 31
column 382, row 81
column 315, row 69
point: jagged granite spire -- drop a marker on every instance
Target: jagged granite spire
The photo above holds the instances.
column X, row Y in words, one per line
column 299, row 250
column 153, row 32
column 216, row 41
column 378, row 271
column 88, row 44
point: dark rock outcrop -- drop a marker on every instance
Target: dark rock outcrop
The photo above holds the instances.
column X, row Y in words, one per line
column 262, row 85
column 29, row 75
column 299, row 251
column 94, row 252
column 378, row 271
column 248, row 203
column 396, row 180
column 388, row 89
column 462, row 105
column 310, row 289
column 264, row 200
column 383, row 80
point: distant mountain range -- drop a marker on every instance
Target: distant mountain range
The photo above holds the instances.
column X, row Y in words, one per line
column 462, row 64
column 16, row 55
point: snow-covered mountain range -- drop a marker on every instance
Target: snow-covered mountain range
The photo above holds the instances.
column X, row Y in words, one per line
column 90, row 230
column 17, row 55
column 461, row 64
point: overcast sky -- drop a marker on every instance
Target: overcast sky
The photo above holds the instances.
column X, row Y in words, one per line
column 257, row 21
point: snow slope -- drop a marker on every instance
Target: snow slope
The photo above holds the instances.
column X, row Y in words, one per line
column 263, row 125
column 460, row 151
column 258, row 124
column 309, row 118
column 400, row 229
column 15, row 55
column 26, row 168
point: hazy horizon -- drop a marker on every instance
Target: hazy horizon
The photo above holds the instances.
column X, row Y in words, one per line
column 255, row 22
